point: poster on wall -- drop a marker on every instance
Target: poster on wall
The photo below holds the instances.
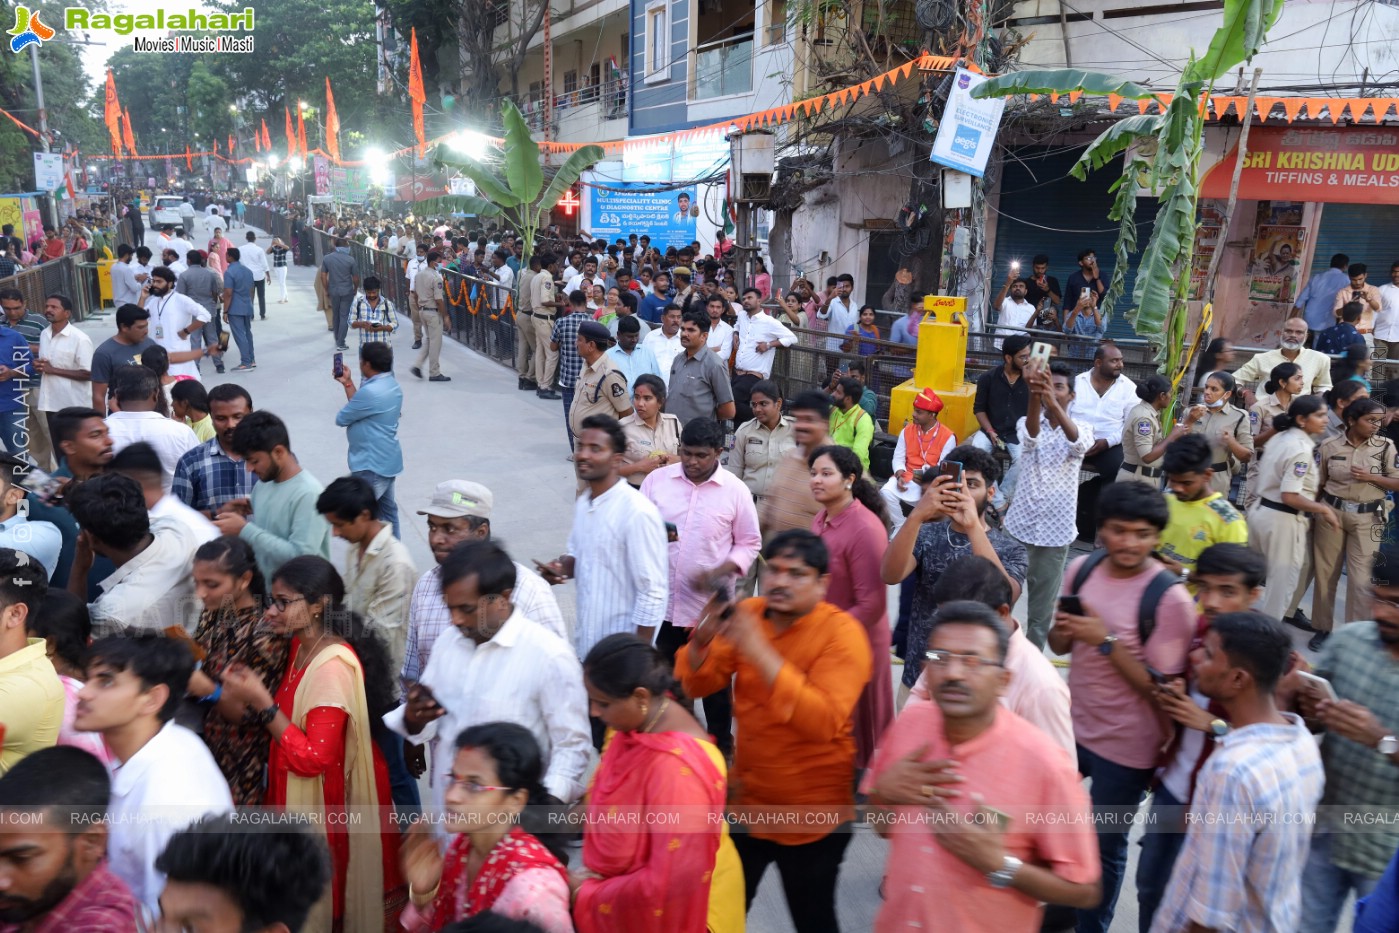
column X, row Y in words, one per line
column 1280, row 212
column 320, row 167
column 621, row 209
column 1273, row 271
column 1207, row 237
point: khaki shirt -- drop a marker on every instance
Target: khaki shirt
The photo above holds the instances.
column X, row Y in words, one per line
column 427, row 285
column 601, row 389
column 1261, row 415
column 1289, row 465
column 757, row 451
column 643, row 442
column 1228, row 418
column 1141, row 432
column 1376, row 456
column 541, row 289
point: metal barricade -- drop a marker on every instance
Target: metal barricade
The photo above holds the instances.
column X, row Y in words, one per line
column 74, row 275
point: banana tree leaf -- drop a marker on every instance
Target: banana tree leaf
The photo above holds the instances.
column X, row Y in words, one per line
column 1114, row 140
column 487, row 183
column 1060, row 81
column 1124, row 211
column 1156, row 274
column 567, row 174
column 522, row 167
column 456, row 202
column 1246, row 24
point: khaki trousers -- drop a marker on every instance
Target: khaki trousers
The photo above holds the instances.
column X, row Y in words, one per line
column 432, row 341
column 416, row 316
column 1283, row 540
column 546, row 361
column 323, row 302
column 1356, row 543
column 524, row 345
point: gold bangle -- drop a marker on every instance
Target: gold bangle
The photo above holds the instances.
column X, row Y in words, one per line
column 423, row 900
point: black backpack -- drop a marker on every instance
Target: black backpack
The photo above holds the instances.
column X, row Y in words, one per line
column 1151, row 596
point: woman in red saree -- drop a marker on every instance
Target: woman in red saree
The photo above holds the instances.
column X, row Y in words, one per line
column 323, row 761
column 492, row 864
column 658, row 764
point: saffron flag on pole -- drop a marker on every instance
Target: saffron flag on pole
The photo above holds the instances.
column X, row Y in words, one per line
column 128, row 139
column 291, row 135
column 332, row 125
column 257, row 140
column 301, row 132
column 111, row 113
column 230, row 145
column 189, row 162
column 416, row 94
column 266, row 139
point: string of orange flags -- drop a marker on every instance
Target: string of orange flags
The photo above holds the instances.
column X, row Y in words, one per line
column 24, row 126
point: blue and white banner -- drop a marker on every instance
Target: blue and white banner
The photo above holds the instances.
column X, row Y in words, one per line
column 624, row 208
column 969, row 126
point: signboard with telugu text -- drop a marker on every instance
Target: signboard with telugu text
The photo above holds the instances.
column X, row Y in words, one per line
column 1339, row 165
column 624, row 208
column 968, row 127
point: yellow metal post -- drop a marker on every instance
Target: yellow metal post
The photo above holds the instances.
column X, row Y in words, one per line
column 942, row 366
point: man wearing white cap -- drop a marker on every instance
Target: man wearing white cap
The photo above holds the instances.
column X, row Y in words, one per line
column 460, row 510
column 923, row 442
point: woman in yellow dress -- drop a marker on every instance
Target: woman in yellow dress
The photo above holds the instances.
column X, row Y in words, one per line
column 683, row 878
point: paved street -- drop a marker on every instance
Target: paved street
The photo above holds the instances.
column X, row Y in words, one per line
column 479, row 427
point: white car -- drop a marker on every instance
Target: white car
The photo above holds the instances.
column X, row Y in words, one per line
column 166, row 210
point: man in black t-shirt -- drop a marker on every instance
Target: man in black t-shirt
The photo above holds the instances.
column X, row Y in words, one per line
column 1002, row 398
column 1040, row 286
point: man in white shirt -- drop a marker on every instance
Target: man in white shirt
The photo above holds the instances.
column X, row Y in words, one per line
column 1015, row 311
column 254, row 258
column 839, row 313
column 664, row 341
column 65, row 360
column 1316, row 367
column 1102, row 399
column 126, row 290
column 172, row 261
column 136, row 391
column 151, row 589
column 174, row 317
column 502, row 274
column 584, row 279
column 214, row 218
column 1387, row 318
column 759, row 335
column 140, row 462
column 494, row 664
column 721, row 332
column 165, row 777
column 187, row 218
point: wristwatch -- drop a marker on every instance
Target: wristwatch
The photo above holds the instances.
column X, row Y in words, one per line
column 1003, row 876
column 1105, row 647
column 1219, row 728
column 1388, row 745
column 264, row 717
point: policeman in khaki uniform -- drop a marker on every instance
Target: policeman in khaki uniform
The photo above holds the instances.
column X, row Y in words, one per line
column 1357, row 468
column 1278, row 525
column 1228, row 429
column 601, row 389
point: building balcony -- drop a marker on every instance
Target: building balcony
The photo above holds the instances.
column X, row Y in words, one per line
column 583, row 114
column 723, row 68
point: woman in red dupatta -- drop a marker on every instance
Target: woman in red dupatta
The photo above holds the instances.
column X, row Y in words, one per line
column 492, row 863
column 676, row 870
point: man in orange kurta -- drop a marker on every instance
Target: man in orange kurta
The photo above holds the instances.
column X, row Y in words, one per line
column 800, row 666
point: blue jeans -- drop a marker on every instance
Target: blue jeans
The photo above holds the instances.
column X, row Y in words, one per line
column 383, row 491
column 1161, row 847
column 402, row 788
column 242, row 328
column 567, row 404
column 207, row 336
column 14, row 433
column 1115, row 788
column 1325, row 887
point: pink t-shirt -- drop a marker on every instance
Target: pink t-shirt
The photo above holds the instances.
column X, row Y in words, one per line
column 1110, row 718
column 1016, row 769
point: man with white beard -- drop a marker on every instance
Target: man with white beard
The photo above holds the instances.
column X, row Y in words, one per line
column 1316, row 367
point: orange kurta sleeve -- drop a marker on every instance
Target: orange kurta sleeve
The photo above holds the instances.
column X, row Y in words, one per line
column 715, row 673
column 817, row 704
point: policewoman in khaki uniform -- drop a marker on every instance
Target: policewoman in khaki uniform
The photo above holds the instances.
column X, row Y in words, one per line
column 1228, row 428
column 1278, row 524
column 1337, row 398
column 1285, row 383
column 1143, row 441
column 1357, row 468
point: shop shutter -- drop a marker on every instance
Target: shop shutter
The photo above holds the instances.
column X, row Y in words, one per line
column 1037, row 192
column 1367, row 233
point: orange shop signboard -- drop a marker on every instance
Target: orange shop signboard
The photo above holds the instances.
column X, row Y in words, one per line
column 1347, row 165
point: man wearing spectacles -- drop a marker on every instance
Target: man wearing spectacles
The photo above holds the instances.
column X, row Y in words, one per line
column 990, row 855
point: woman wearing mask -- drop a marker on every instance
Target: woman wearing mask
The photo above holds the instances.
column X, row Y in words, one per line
column 1278, row 522
column 1358, row 470
column 1143, row 441
column 494, row 862
column 230, row 630
column 855, row 529
column 657, row 759
column 653, row 437
column 1227, row 428
column 1285, row 383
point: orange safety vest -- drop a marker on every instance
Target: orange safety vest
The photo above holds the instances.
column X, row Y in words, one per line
column 915, row 451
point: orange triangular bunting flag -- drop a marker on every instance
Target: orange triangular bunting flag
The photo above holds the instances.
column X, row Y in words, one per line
column 879, row 83
column 1054, row 98
column 1142, row 105
column 1381, row 106
column 1262, row 106
column 1165, row 100
column 1074, row 96
column 906, row 70
column 1334, row 109
column 1292, row 106
column 1114, row 101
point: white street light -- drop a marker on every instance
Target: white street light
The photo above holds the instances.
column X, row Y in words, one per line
column 296, row 163
column 378, row 163
column 473, row 145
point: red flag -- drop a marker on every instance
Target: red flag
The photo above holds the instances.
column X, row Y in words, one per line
column 291, row 136
column 230, row 145
column 189, row 162
column 301, row 132
column 127, row 138
column 332, row 124
column 417, row 95
column 111, row 113
column 257, row 140
column 266, row 139
column 216, row 147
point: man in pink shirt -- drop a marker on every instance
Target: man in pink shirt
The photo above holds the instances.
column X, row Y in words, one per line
column 1036, row 693
column 985, row 815
column 714, row 542
column 1120, row 730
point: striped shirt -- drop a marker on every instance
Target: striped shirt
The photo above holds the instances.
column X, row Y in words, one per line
column 618, row 544
column 429, row 617
column 565, row 334
column 206, row 478
column 1249, row 831
column 382, row 313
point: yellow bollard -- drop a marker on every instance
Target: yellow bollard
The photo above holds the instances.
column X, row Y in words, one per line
column 942, row 366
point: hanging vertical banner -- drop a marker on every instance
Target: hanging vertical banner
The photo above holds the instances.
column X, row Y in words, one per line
column 320, row 166
column 48, row 171
column 968, row 128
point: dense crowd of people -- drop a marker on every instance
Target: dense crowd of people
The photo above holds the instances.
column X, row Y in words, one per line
column 207, row 724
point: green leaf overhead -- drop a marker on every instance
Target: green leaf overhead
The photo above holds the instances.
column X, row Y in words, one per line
column 1060, row 81
column 525, row 175
column 488, row 184
column 1113, row 141
column 456, row 202
column 1246, row 23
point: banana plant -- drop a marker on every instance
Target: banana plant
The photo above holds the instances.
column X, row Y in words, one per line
column 516, row 192
column 1161, row 153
